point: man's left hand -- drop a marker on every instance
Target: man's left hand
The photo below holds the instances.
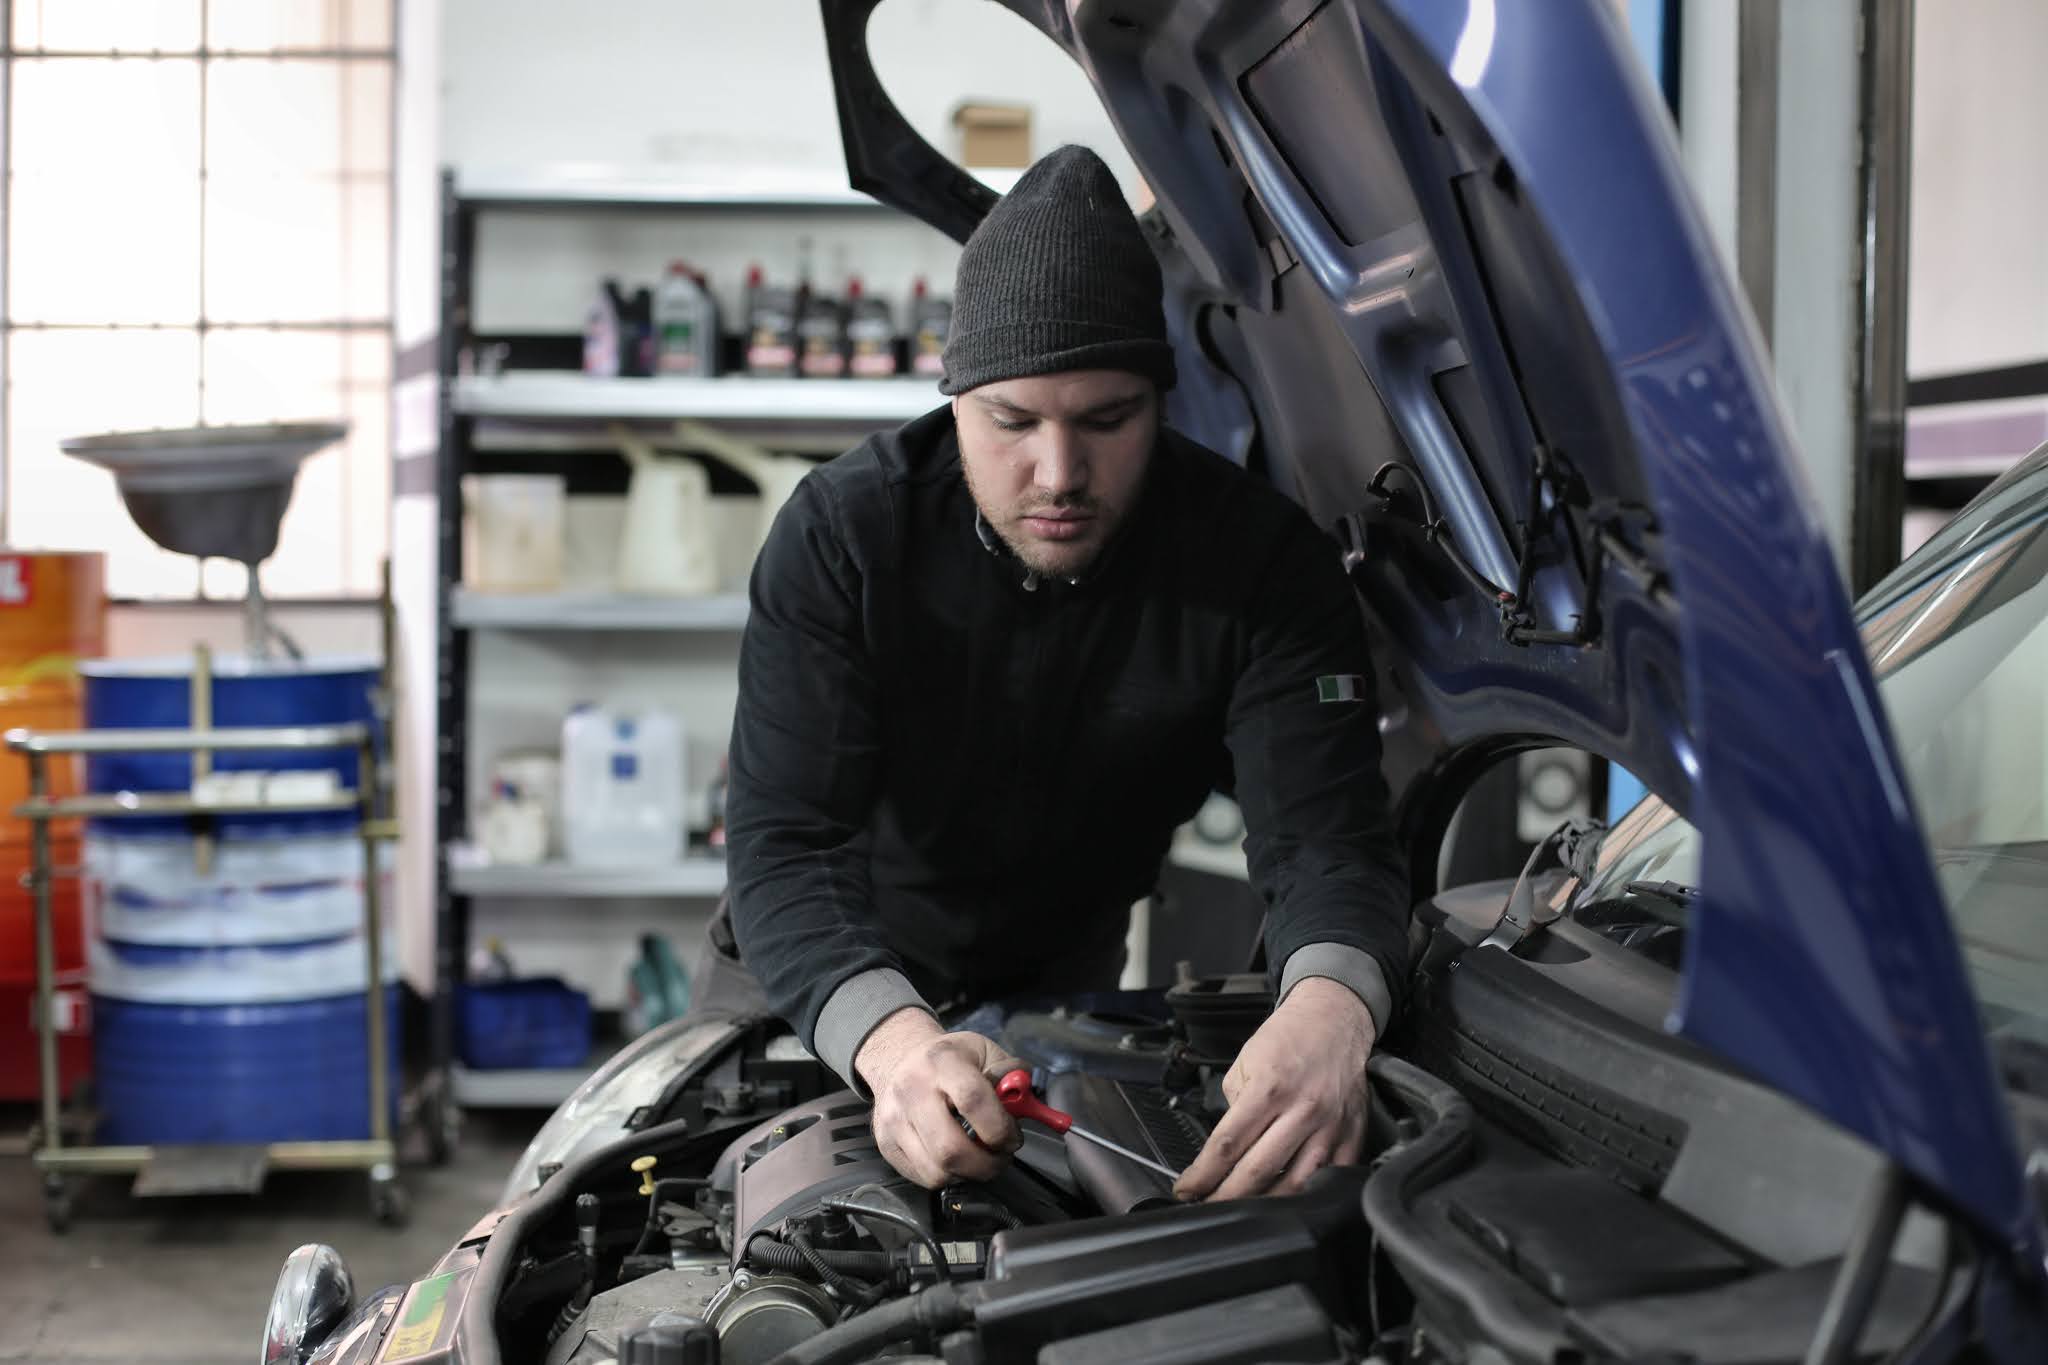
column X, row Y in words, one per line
column 1297, row 1096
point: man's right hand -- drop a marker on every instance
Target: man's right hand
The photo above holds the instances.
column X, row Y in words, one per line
column 925, row 1080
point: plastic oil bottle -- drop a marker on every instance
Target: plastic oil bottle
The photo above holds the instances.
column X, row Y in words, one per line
column 821, row 333
column 931, row 319
column 771, row 328
column 686, row 323
column 870, row 334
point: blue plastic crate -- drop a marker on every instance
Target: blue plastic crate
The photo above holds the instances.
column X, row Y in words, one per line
column 532, row 1022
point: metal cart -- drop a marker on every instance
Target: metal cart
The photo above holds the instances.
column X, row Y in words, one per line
column 221, row 1167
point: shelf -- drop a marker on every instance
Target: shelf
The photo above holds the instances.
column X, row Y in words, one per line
column 1979, row 440
column 598, row 611
column 693, row 877
column 602, row 187
column 565, row 395
column 538, row 1088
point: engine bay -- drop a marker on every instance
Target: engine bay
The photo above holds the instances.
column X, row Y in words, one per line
column 1509, row 1207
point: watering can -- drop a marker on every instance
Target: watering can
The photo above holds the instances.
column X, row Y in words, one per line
column 775, row 475
column 669, row 546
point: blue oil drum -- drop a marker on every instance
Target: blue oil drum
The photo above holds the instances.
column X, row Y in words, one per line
column 287, row 1071
column 157, row 694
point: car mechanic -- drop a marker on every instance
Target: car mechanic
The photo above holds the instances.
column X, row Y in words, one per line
column 993, row 660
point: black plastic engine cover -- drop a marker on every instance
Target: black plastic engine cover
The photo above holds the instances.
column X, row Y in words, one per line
column 1050, row 1284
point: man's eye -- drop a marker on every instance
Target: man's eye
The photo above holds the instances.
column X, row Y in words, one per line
column 1107, row 423
column 1003, row 425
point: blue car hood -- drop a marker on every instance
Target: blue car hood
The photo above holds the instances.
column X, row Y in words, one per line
column 1451, row 239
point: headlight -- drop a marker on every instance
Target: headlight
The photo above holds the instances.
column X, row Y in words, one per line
column 313, row 1294
column 598, row 1111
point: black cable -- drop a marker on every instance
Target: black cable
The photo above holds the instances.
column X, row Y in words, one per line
column 841, row 1204
column 770, row 1251
column 690, row 1182
column 866, row 1295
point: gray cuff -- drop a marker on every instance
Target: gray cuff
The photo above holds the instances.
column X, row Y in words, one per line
column 851, row 1013
column 1352, row 968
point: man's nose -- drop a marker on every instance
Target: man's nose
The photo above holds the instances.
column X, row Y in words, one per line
column 1062, row 461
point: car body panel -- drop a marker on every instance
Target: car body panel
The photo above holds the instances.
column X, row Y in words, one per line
column 1455, row 235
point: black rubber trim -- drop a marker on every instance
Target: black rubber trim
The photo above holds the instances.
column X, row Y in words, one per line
column 1976, row 386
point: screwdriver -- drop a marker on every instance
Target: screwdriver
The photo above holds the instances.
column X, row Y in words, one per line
column 1014, row 1090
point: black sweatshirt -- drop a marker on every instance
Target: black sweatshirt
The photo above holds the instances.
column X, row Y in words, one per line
column 951, row 780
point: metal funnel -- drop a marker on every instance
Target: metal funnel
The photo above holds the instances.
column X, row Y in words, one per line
column 216, row 492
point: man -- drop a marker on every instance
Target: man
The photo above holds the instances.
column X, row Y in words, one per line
column 995, row 658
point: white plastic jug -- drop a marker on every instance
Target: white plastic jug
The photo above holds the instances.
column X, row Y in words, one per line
column 622, row 787
column 669, row 545
column 515, row 532
column 775, row 475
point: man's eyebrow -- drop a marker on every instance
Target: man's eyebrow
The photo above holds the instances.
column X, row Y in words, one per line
column 1109, row 405
column 996, row 400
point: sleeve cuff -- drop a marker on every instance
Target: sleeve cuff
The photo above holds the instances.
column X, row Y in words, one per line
column 1352, row 968
column 853, row 1010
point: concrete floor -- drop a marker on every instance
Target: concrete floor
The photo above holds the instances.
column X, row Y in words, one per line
column 187, row 1281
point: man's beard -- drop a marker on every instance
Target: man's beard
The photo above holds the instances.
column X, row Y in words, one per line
column 1049, row 559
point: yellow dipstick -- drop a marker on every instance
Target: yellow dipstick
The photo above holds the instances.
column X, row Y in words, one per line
column 643, row 1166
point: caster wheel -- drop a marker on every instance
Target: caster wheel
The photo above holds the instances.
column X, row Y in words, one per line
column 388, row 1204
column 57, row 1205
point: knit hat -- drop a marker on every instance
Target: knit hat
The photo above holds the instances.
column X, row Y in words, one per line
column 1057, row 277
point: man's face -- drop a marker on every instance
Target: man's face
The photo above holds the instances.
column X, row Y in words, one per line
column 1055, row 461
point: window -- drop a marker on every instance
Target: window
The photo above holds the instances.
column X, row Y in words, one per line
column 198, row 230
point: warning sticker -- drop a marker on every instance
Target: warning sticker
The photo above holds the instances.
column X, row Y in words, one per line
column 420, row 1321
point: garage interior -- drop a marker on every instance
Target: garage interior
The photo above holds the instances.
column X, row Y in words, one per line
column 528, row 318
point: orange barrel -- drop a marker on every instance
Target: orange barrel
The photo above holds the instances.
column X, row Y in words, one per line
column 53, row 613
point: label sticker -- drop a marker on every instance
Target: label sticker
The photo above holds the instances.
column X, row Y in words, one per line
column 419, row 1323
column 1340, row 687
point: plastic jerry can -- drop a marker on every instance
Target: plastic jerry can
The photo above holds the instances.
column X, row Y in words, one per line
column 622, row 787
column 686, row 325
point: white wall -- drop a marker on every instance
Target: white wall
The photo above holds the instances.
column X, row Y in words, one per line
column 1978, row 292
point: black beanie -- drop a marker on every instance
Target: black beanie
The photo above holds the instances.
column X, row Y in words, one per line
column 1057, row 277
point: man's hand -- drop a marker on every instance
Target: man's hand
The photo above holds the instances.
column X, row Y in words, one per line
column 926, row 1080
column 1297, row 1095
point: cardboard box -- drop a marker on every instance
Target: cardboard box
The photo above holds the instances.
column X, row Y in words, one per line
column 993, row 134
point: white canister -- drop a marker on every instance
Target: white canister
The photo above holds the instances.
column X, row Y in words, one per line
column 623, row 786
column 516, row 523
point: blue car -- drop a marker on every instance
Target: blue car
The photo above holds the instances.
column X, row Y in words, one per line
column 1755, row 1076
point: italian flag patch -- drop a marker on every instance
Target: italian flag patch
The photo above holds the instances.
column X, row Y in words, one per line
column 1340, row 687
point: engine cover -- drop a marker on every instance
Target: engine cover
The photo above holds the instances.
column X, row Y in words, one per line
column 783, row 1167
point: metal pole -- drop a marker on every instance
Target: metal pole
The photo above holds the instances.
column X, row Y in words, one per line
column 1878, row 509
column 373, row 941
column 46, row 954
column 1756, row 159
column 202, row 759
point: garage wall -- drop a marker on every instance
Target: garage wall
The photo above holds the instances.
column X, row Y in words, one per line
column 1979, row 266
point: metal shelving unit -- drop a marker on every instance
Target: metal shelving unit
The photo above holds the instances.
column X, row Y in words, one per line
column 551, row 419
column 596, row 611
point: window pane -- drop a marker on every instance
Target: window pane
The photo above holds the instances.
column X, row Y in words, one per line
column 273, row 376
column 273, row 118
column 260, row 25
column 272, row 248
column 366, row 253
column 107, row 25
column 367, row 529
column 64, row 384
column 366, row 116
column 369, row 23
column 105, row 221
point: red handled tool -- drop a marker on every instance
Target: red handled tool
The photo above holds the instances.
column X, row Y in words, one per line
column 1014, row 1090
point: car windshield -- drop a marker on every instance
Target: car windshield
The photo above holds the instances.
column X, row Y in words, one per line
column 1958, row 640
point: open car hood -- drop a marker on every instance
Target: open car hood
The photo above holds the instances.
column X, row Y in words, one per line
column 1453, row 237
